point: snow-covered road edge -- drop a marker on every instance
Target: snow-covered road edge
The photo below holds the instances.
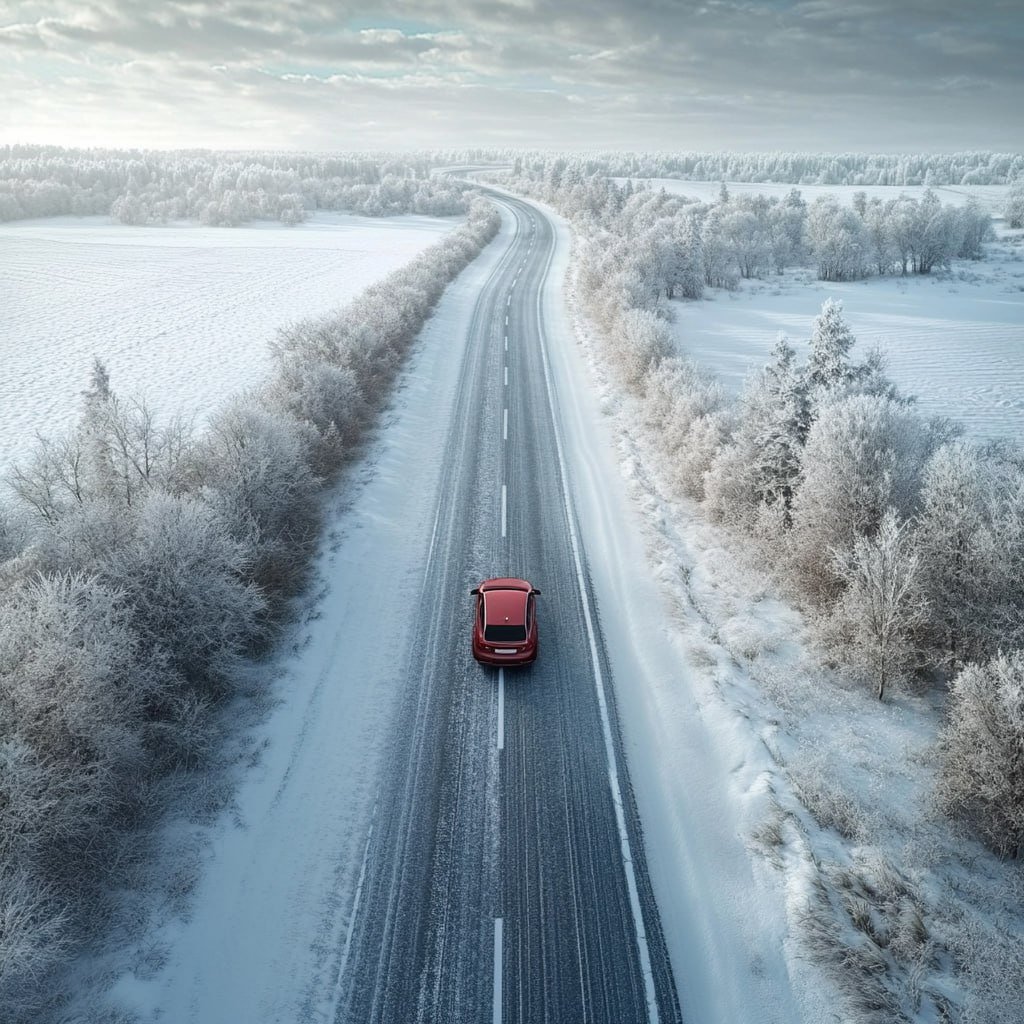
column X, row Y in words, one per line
column 696, row 772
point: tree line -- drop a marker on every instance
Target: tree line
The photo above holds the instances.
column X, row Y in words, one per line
column 686, row 245
column 222, row 189
column 144, row 186
column 903, row 541
column 140, row 564
column 971, row 167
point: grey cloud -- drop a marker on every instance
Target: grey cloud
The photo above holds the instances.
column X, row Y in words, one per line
column 649, row 72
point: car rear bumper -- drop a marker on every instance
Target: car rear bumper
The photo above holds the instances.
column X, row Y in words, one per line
column 519, row 658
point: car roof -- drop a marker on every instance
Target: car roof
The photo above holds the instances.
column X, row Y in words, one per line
column 505, row 606
column 506, row 583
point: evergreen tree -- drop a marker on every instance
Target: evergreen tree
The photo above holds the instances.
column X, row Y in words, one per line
column 783, row 429
column 829, row 367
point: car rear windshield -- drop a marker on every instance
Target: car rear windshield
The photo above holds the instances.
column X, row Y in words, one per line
column 505, row 634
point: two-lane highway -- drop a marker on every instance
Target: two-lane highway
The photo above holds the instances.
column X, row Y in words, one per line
column 504, row 877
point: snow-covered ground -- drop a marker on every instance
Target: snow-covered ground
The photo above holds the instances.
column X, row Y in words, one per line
column 182, row 313
column 992, row 197
column 275, row 873
column 955, row 339
column 788, row 815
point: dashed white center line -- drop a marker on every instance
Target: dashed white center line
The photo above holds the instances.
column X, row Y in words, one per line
column 506, row 342
column 501, row 709
column 496, row 1018
column 506, row 319
column 504, row 510
column 506, row 376
column 508, row 301
column 504, row 426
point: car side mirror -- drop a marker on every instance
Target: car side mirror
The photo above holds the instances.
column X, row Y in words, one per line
column 535, row 591
column 474, row 591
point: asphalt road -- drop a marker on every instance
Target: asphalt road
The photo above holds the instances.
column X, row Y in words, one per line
column 504, row 877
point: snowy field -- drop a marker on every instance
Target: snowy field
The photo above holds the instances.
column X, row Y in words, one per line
column 992, row 197
column 956, row 340
column 180, row 312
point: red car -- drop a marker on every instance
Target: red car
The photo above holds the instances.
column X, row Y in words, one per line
column 505, row 623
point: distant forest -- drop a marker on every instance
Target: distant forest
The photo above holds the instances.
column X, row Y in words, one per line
column 231, row 188
column 217, row 188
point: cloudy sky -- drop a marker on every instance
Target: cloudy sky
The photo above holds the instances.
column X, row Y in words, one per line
column 877, row 75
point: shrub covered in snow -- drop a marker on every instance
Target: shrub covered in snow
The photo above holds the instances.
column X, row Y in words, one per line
column 983, row 752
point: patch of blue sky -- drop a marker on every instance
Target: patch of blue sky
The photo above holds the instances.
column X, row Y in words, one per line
column 343, row 68
column 407, row 26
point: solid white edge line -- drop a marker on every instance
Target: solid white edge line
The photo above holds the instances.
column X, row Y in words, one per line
column 496, row 1013
column 501, row 709
column 504, row 515
column 355, row 910
column 606, row 728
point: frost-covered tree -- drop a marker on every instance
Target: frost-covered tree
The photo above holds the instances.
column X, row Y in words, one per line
column 1013, row 211
column 73, row 695
column 686, row 409
column 938, row 234
column 881, row 607
column 748, row 243
column 786, row 225
column 51, row 480
column 959, row 553
column 686, row 263
column 642, row 341
column 126, row 447
column 185, row 579
column 255, row 466
column 981, row 778
column 974, row 229
column 864, row 454
column 720, row 270
column 838, row 241
column 829, row 368
column 119, row 449
column 760, row 465
column 885, row 253
column 130, row 209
